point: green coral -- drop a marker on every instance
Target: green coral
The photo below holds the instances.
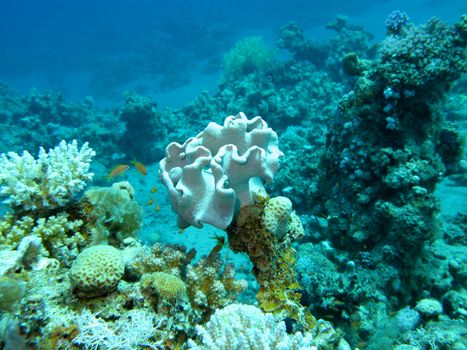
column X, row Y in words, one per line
column 247, row 56
column 114, row 212
column 11, row 291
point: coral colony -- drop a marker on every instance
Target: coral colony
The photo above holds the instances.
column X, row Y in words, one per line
column 332, row 203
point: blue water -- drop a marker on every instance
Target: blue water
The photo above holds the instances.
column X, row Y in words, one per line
column 83, row 48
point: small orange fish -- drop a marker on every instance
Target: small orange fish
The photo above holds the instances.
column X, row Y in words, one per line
column 157, row 208
column 118, row 170
column 154, row 189
column 150, row 201
column 140, row 167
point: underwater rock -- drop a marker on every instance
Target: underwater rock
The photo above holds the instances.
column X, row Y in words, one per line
column 9, row 261
column 407, row 319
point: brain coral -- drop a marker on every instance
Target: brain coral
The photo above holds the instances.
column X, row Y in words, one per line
column 96, row 271
column 276, row 216
column 279, row 219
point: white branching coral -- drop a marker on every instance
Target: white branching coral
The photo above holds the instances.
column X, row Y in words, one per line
column 127, row 333
column 240, row 326
column 49, row 181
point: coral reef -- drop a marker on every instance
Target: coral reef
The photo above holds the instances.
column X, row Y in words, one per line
column 385, row 153
column 263, row 228
column 52, row 119
column 368, row 255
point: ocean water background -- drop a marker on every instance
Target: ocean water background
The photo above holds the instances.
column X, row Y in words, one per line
column 171, row 50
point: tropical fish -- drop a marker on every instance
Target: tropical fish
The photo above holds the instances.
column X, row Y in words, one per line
column 154, row 189
column 181, row 230
column 157, row 208
column 217, row 248
column 150, row 201
column 140, row 167
column 118, row 170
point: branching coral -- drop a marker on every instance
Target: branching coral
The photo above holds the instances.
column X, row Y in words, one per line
column 239, row 326
column 60, row 234
column 49, row 181
column 212, row 284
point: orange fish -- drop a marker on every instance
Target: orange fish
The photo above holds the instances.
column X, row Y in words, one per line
column 157, row 208
column 140, row 167
column 150, row 201
column 118, row 170
column 154, row 189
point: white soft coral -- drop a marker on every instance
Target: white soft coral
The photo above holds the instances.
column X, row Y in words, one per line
column 48, row 182
column 211, row 175
column 126, row 333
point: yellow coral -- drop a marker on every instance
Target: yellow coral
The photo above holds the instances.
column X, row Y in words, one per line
column 276, row 214
column 12, row 230
column 265, row 232
column 55, row 231
column 161, row 286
